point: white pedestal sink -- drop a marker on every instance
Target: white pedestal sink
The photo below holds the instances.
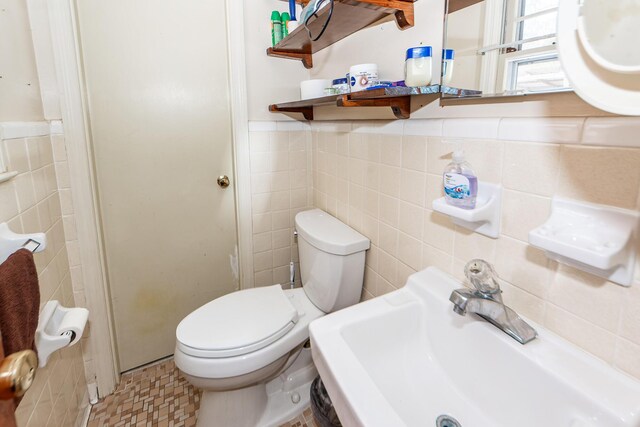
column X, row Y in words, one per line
column 405, row 358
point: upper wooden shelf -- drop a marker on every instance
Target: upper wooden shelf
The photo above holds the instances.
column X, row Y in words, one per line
column 349, row 16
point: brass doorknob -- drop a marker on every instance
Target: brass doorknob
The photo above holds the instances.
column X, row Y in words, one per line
column 223, row 181
column 17, row 372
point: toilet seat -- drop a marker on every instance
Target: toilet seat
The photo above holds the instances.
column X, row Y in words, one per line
column 237, row 323
column 226, row 367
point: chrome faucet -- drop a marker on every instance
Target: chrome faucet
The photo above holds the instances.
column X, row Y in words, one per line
column 486, row 301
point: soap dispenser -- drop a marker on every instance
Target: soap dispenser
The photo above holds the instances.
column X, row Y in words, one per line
column 460, row 182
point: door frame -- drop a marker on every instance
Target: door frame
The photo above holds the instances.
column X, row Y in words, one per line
column 58, row 19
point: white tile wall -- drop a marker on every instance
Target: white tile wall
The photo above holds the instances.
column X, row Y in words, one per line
column 31, row 202
column 381, row 178
column 612, row 131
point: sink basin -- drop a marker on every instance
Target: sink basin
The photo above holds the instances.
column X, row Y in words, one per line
column 405, row 358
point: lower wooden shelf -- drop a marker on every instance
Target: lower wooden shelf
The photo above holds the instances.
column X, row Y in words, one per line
column 305, row 106
column 396, row 98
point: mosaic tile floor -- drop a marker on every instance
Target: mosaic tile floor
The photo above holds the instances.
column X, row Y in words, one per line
column 158, row 396
column 303, row 420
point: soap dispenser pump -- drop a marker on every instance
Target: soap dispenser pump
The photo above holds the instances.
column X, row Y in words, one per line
column 460, row 182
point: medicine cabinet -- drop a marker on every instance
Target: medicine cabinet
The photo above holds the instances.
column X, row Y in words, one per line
column 504, row 47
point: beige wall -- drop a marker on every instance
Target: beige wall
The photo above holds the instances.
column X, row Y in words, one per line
column 31, row 202
column 73, row 249
column 280, row 188
column 381, row 178
column 19, row 88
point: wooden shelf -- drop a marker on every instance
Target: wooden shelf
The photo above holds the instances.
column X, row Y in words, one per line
column 396, row 98
column 455, row 5
column 305, row 106
column 349, row 16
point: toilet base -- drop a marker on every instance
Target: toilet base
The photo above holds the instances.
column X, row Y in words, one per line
column 262, row 405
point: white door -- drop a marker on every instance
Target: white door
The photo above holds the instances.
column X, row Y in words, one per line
column 158, row 101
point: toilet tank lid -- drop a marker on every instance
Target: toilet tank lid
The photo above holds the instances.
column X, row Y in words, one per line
column 329, row 234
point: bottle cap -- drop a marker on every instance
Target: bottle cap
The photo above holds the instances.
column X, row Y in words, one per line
column 458, row 155
column 275, row 15
column 448, row 54
column 285, row 16
column 418, row 52
column 292, row 25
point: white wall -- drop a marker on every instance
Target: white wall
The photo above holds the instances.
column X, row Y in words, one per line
column 384, row 44
column 269, row 80
column 19, row 89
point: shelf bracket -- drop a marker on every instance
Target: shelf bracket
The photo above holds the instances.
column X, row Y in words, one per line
column 400, row 105
column 306, row 58
column 307, row 112
column 404, row 15
column 404, row 18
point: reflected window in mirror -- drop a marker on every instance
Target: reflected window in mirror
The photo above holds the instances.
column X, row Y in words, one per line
column 505, row 47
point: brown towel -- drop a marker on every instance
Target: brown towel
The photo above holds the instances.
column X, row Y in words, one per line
column 19, row 302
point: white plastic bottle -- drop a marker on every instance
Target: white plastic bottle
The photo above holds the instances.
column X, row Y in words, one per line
column 417, row 66
column 460, row 182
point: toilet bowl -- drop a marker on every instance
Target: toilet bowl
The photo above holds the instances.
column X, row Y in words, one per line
column 246, row 350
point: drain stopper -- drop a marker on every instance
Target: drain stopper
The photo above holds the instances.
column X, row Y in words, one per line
column 447, row 421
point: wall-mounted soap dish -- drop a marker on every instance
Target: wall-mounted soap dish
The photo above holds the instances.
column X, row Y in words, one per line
column 485, row 218
column 594, row 238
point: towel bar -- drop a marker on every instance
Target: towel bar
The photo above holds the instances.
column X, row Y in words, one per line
column 11, row 242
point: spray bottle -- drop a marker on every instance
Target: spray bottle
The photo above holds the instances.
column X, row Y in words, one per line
column 276, row 27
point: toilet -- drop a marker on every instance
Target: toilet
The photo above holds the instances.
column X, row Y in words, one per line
column 248, row 350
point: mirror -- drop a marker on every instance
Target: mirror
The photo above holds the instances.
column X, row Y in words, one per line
column 502, row 48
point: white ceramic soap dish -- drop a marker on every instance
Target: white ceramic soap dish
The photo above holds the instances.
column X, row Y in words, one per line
column 594, row 238
column 485, row 218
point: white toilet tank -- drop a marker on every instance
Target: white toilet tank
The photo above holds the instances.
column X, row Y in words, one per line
column 331, row 260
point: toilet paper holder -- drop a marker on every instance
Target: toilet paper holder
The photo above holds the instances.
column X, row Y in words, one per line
column 58, row 327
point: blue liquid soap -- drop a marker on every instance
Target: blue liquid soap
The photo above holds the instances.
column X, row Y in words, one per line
column 460, row 183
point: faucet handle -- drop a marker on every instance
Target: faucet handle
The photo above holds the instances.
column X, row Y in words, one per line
column 482, row 276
